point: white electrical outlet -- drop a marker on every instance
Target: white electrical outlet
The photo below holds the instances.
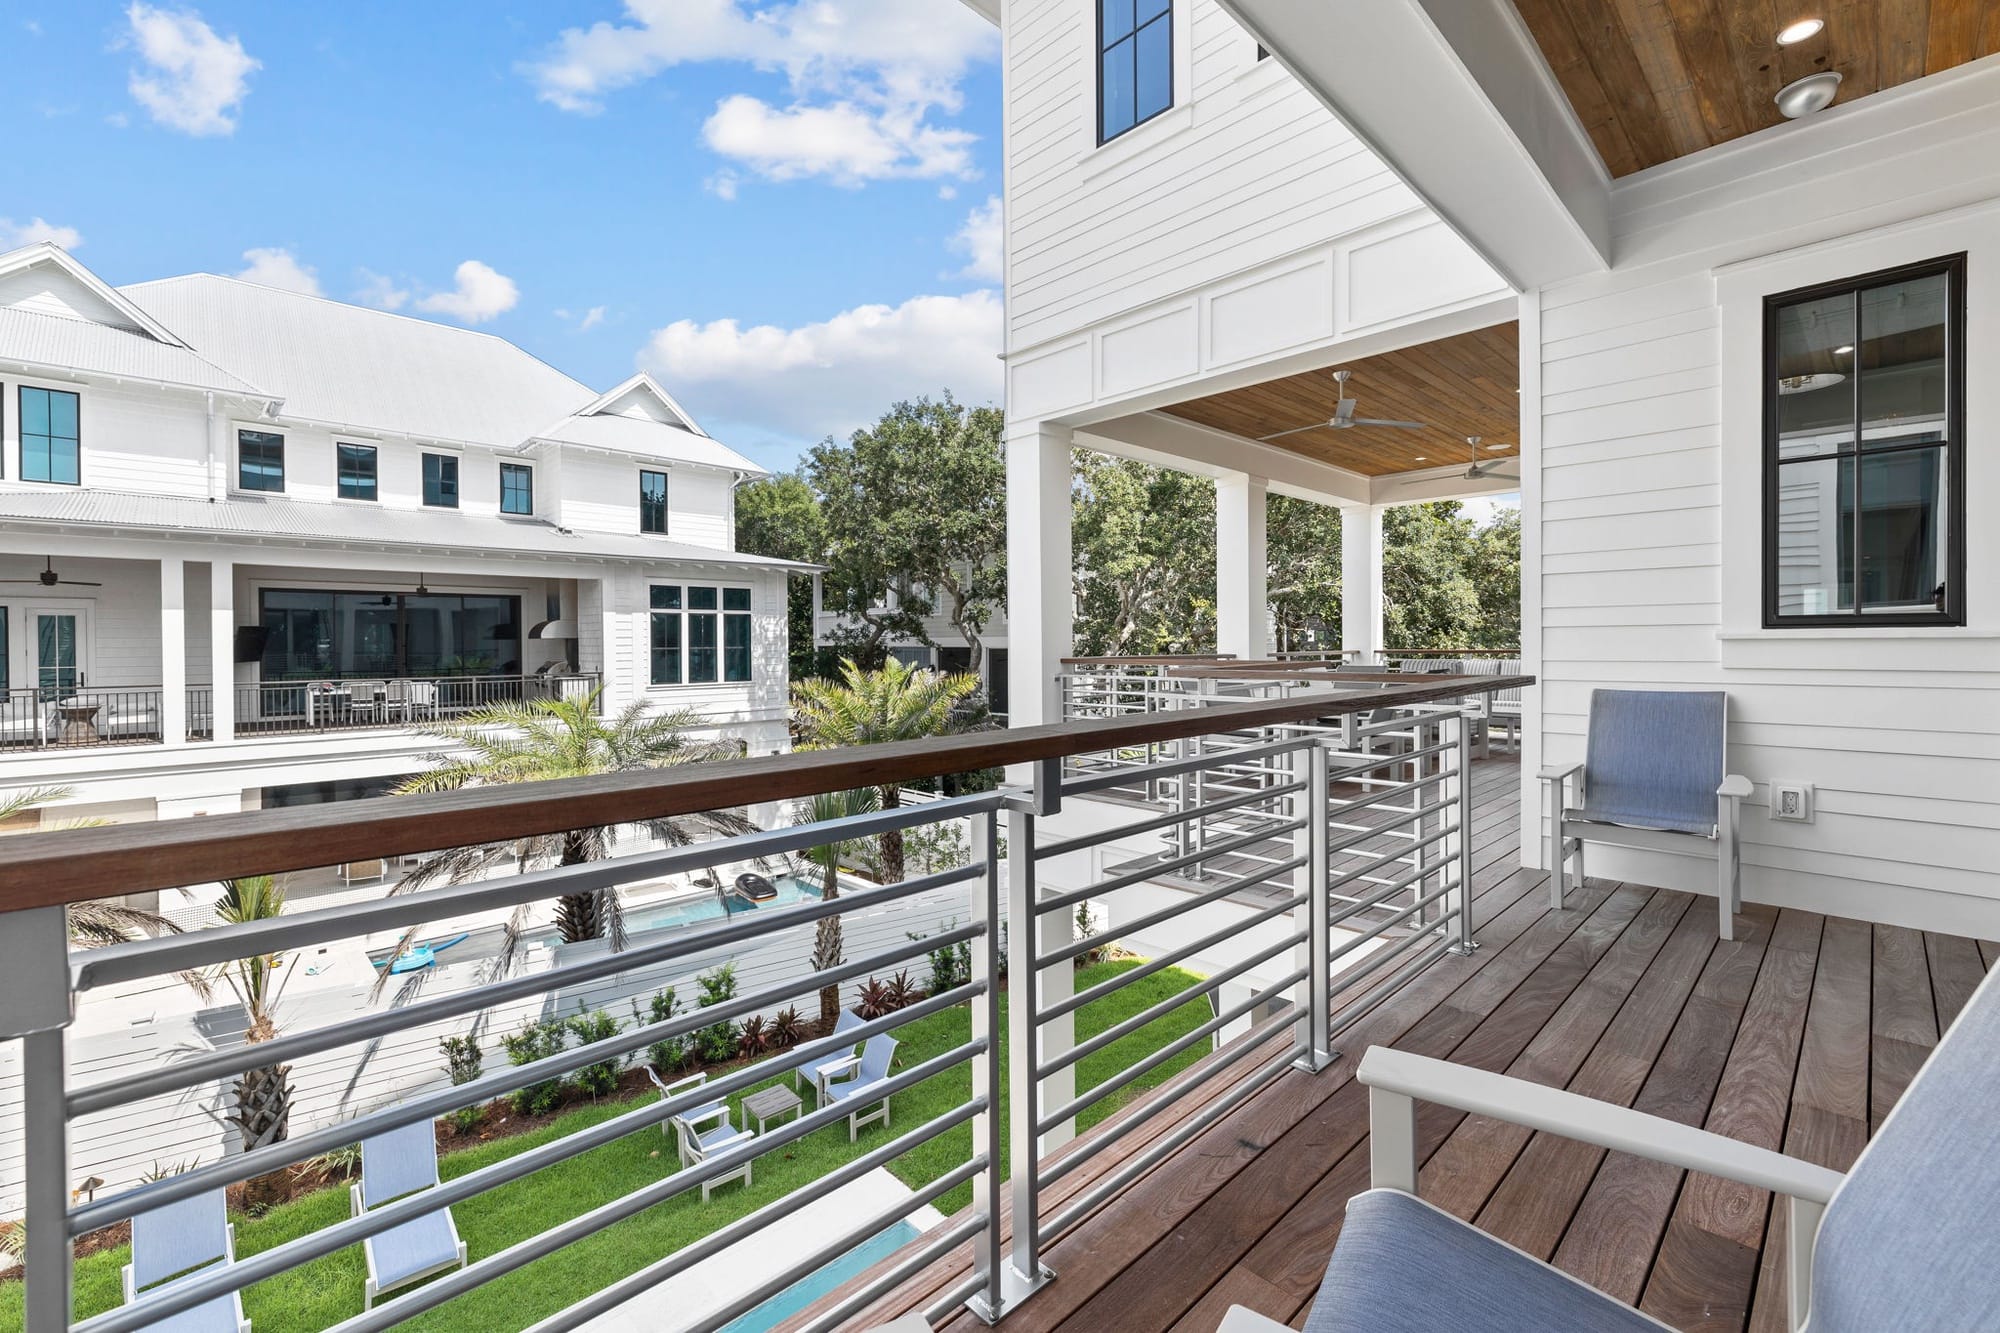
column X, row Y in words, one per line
column 1792, row 802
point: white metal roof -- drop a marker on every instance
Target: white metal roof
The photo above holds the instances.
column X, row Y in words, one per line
column 636, row 435
column 80, row 344
column 275, row 517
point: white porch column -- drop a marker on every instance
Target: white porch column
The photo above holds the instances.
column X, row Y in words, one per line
column 222, row 650
column 1040, row 617
column 1361, row 580
column 173, row 650
column 1242, row 611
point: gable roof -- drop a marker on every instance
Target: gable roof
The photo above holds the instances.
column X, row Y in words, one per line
column 123, row 311
column 54, row 340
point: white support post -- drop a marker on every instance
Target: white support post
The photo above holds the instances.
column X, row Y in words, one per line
column 1802, row 1217
column 1361, row 581
column 1040, row 618
column 173, row 711
column 1242, row 609
column 222, row 650
column 1392, row 1141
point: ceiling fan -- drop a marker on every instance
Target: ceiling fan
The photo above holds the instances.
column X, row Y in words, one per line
column 1343, row 417
column 1479, row 470
column 48, row 578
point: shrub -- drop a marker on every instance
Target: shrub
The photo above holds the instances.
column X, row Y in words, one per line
column 462, row 1061
column 871, row 1000
column 1086, row 927
column 342, row 1163
column 600, row 1079
column 788, row 1028
column 755, row 1037
column 717, row 1041
column 669, row 1054
column 537, row 1041
column 951, row 964
column 903, row 992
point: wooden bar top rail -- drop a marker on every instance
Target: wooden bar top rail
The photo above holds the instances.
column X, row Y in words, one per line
column 74, row 865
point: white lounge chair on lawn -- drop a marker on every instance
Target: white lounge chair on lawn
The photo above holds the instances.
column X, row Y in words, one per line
column 864, row 1073
column 680, row 1087
column 719, row 1141
column 178, row 1241
column 1655, row 776
column 396, row 1163
column 807, row 1075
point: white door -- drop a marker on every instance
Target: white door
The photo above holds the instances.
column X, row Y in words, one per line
column 58, row 641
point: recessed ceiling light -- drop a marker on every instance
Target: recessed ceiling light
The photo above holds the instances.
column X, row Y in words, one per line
column 1422, row 457
column 1496, row 447
column 1843, row 351
column 1794, row 33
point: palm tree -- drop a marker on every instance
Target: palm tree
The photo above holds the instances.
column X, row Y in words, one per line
column 896, row 703
column 105, row 921
column 263, row 1113
column 539, row 739
column 828, row 806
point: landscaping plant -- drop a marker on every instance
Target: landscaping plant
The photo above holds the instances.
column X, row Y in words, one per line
column 668, row 1054
column 754, row 1038
column 717, row 1041
column 787, row 1028
column 826, row 807
column 600, row 1079
column 871, row 999
column 537, row 1041
column 462, row 1061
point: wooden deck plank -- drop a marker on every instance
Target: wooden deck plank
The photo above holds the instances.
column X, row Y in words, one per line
column 1956, row 971
column 1902, row 1023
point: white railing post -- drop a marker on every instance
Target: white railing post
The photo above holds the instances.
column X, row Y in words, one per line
column 35, row 1007
column 1316, row 991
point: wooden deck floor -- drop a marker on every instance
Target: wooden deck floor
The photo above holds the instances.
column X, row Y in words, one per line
column 1798, row 1035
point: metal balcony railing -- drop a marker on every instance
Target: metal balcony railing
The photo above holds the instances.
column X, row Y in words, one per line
column 288, row 708
column 1362, row 857
column 51, row 719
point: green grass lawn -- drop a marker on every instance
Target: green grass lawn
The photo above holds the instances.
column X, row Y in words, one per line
column 319, row 1294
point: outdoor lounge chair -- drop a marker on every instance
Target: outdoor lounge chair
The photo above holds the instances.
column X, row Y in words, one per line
column 680, row 1087
column 174, row 1242
column 864, row 1073
column 718, row 1141
column 1905, row 1240
column 807, row 1075
column 396, row 1163
column 1655, row 776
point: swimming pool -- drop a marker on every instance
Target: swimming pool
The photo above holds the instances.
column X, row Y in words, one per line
column 809, row 1289
column 697, row 909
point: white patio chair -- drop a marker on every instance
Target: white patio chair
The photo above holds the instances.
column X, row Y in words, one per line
column 806, row 1075
column 680, row 1087
column 718, row 1141
column 863, row 1075
column 396, row 1163
column 176, row 1242
column 1655, row 777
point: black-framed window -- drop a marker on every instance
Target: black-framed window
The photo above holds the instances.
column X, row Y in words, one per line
column 441, row 481
column 354, row 471
column 699, row 634
column 260, row 460
column 652, row 501
column 1864, row 450
column 736, row 634
column 51, row 448
column 517, row 488
column 334, row 634
column 1135, row 63
column 666, row 603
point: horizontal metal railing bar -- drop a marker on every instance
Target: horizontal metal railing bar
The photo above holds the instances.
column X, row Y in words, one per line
column 430, row 1105
column 911, row 1260
column 1161, row 1008
column 1085, row 841
column 221, row 1064
column 1151, row 919
column 1175, row 767
column 174, row 953
column 348, row 1231
column 1072, row 1003
column 1172, row 1141
column 1356, row 1010
column 940, row 1309
column 1085, row 1100
column 634, row 1284
column 1152, row 870
column 1389, row 923
column 880, row 1220
column 44, row 869
column 1368, row 800
column 1395, row 855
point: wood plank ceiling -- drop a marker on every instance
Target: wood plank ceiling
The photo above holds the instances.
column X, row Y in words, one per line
column 1459, row 386
column 1653, row 80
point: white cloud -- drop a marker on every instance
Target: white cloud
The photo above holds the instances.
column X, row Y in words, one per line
column 591, row 318
column 14, row 233
column 831, row 377
column 381, row 291
column 864, row 78
column 722, row 185
column 192, row 80
column 275, row 267
column 480, row 294
column 983, row 241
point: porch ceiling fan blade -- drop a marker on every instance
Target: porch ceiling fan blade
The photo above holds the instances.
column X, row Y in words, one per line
column 1378, row 421
column 1317, row 425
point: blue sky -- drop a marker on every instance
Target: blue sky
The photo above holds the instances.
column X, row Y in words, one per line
column 784, row 213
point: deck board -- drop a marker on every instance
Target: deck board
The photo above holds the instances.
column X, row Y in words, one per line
column 1800, row 1034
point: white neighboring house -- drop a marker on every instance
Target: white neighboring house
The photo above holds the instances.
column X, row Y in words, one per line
column 946, row 650
column 1212, row 203
column 249, row 537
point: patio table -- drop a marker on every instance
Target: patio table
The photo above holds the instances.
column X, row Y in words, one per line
column 773, row 1103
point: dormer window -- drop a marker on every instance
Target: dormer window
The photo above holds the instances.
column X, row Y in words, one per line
column 49, row 437
column 652, row 501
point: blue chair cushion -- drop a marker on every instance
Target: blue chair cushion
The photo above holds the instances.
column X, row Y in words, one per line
column 415, row 1247
column 216, row 1316
column 1654, row 758
column 1403, row 1266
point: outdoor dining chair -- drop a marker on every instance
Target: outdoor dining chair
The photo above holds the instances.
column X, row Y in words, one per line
column 1655, row 776
column 178, row 1241
column 1904, row 1240
column 706, row 1135
column 395, row 1164
column 678, row 1088
column 806, row 1075
column 863, row 1075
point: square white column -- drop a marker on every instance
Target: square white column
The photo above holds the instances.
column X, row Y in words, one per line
column 1242, row 609
column 222, row 650
column 173, row 651
column 1361, row 581
column 1040, row 614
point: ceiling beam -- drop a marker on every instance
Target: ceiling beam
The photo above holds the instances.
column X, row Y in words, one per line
column 1455, row 96
column 1183, row 446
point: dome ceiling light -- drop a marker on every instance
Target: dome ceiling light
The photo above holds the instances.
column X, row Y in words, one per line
column 1813, row 93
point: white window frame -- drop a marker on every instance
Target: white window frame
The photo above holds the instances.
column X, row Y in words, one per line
column 687, row 649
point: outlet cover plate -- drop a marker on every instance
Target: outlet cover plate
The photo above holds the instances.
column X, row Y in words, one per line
column 1792, row 802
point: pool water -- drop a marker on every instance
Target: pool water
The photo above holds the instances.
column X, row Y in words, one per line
column 708, row 906
column 809, row 1289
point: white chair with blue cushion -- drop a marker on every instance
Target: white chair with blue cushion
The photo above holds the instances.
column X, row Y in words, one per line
column 396, row 1163
column 807, row 1075
column 1909, row 1238
column 706, row 1135
column 855, row 1082
column 1655, row 776
column 680, row 1087
column 178, row 1241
